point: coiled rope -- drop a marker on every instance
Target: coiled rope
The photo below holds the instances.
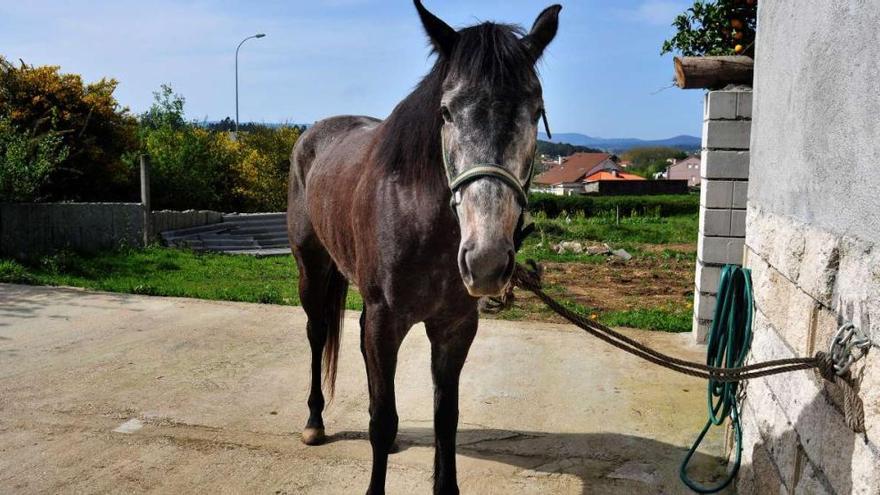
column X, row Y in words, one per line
column 728, row 346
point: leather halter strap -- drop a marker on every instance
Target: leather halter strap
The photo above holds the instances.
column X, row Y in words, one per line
column 489, row 170
column 481, row 171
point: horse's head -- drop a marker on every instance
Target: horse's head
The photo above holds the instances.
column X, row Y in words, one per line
column 491, row 105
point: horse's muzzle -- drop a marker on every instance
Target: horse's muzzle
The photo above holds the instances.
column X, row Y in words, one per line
column 486, row 270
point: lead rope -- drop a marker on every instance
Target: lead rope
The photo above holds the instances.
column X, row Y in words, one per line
column 728, row 346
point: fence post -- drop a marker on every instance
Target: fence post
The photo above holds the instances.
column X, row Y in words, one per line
column 145, row 199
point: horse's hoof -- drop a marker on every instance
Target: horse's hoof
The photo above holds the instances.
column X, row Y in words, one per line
column 313, row 436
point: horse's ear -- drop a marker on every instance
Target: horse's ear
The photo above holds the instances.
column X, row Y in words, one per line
column 443, row 37
column 543, row 31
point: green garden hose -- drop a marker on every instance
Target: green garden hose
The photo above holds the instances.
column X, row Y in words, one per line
column 729, row 340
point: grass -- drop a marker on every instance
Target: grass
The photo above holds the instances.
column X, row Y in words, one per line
column 158, row 271
column 631, row 233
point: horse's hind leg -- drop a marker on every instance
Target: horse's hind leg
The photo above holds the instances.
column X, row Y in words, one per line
column 317, row 280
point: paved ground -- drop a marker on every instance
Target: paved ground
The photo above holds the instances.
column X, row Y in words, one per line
column 118, row 393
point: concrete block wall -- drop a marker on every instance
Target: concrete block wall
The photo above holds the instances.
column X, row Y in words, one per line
column 724, row 173
column 29, row 230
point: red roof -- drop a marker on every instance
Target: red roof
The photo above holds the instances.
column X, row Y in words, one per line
column 574, row 168
column 603, row 175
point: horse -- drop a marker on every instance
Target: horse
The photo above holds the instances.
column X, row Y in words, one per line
column 423, row 212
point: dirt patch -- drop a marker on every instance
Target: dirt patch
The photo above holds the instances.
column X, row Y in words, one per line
column 615, row 285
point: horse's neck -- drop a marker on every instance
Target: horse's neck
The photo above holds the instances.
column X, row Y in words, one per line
column 409, row 147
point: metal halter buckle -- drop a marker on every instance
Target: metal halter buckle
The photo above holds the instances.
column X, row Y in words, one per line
column 845, row 341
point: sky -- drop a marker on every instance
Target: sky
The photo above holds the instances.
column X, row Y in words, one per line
column 602, row 76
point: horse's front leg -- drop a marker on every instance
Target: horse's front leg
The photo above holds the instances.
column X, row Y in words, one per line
column 381, row 336
column 450, row 342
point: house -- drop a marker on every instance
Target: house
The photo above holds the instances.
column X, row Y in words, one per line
column 687, row 169
column 614, row 182
column 611, row 175
column 567, row 178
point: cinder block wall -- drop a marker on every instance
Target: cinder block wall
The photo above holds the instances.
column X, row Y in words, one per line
column 724, row 172
column 813, row 242
column 29, row 230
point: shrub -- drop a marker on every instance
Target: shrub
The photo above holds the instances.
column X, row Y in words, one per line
column 261, row 173
column 81, row 126
column 13, row 273
column 661, row 205
column 27, row 161
column 194, row 166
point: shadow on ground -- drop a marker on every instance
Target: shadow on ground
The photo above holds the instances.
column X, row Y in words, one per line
column 604, row 462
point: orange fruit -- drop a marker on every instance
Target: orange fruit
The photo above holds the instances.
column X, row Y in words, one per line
column 736, row 24
column 738, row 48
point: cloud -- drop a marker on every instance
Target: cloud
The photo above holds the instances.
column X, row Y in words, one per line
column 658, row 12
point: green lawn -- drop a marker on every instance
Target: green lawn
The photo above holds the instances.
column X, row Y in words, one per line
column 630, row 233
column 172, row 272
column 159, row 271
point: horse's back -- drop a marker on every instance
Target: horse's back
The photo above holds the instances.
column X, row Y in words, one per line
column 320, row 139
column 325, row 149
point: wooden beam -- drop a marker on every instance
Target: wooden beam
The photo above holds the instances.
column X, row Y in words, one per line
column 713, row 72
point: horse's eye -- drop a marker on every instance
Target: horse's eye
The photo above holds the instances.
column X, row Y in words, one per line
column 447, row 115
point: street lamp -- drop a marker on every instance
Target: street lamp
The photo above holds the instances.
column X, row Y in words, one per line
column 260, row 35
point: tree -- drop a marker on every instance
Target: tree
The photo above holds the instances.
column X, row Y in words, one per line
column 192, row 167
column 84, row 119
column 562, row 149
column 716, row 27
column 166, row 111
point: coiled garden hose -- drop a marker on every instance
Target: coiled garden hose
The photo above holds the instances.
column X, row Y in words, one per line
column 729, row 341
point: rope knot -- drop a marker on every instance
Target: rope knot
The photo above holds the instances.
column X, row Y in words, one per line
column 825, row 366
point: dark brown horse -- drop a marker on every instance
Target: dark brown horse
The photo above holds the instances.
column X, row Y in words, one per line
column 421, row 211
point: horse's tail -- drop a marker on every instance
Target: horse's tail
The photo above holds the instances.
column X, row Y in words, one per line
column 337, row 289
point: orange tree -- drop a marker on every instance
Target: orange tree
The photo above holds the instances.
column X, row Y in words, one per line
column 719, row 27
column 60, row 111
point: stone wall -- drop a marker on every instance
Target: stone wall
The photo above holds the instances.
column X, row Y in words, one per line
column 724, row 172
column 813, row 242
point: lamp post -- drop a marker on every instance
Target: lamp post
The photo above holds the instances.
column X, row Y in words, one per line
column 260, row 35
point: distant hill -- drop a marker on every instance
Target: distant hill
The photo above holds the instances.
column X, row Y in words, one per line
column 619, row 145
column 562, row 149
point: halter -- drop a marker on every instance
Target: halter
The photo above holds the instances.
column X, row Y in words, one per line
column 524, row 225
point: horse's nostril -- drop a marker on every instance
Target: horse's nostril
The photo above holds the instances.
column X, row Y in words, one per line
column 464, row 265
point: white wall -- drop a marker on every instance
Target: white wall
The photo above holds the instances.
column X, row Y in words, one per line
column 813, row 242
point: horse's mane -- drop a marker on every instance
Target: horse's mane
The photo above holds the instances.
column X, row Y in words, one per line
column 488, row 52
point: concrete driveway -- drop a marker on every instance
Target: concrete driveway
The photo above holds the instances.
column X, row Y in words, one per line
column 118, row 393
